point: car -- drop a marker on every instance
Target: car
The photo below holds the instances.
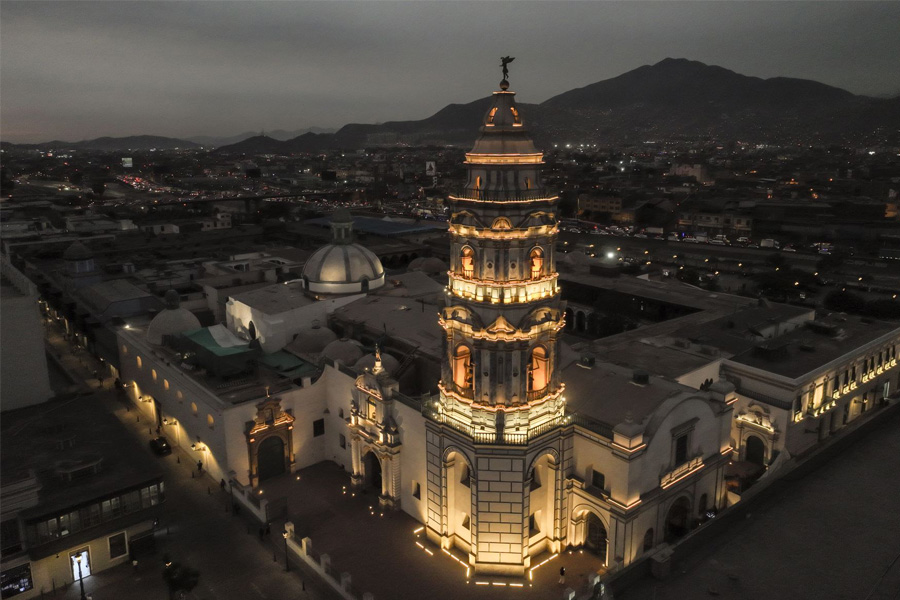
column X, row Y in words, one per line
column 160, row 446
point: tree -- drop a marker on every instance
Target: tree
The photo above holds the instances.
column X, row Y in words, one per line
column 179, row 578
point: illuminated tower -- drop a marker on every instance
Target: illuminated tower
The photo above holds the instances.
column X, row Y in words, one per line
column 500, row 394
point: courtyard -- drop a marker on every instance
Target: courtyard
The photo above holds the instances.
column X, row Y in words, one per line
column 387, row 554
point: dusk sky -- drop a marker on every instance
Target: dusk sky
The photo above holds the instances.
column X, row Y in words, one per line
column 79, row 70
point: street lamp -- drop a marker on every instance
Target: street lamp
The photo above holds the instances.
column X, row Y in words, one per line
column 80, row 577
column 287, row 565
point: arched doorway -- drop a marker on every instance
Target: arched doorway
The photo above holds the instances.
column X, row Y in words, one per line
column 755, row 450
column 373, row 472
column 251, row 330
column 270, row 459
column 678, row 519
column 458, row 489
column 648, row 540
column 595, row 538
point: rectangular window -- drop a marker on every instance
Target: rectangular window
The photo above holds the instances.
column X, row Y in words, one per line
column 9, row 536
column 318, row 427
column 342, row 440
column 417, row 490
column 798, row 405
column 117, row 545
column 681, row 449
column 598, row 480
column 16, row 580
column 371, row 409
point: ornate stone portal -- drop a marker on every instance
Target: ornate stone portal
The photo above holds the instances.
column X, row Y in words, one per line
column 374, row 435
column 270, row 431
column 493, row 445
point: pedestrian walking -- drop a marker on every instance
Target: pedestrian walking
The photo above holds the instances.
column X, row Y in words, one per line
column 199, row 466
column 222, row 485
column 562, row 575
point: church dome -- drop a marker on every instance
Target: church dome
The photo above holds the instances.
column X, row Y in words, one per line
column 343, row 267
column 312, row 340
column 78, row 251
column 344, row 351
column 388, row 362
column 171, row 321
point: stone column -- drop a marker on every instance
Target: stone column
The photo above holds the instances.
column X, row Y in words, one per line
column 356, row 479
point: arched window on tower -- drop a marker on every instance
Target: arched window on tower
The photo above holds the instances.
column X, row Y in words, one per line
column 538, row 370
column 478, row 182
column 462, row 367
column 537, row 263
column 467, row 261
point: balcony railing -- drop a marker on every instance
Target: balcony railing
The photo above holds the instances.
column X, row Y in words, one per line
column 533, row 395
column 500, row 196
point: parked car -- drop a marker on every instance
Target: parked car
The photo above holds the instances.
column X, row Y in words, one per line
column 160, row 446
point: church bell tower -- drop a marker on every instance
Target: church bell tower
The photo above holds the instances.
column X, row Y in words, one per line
column 500, row 393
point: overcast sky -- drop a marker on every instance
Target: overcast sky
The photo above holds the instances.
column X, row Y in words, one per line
column 78, row 70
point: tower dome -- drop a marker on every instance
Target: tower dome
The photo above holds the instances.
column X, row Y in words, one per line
column 343, row 267
column 171, row 321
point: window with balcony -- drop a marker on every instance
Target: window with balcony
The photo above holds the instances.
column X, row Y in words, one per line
column 680, row 450
column 598, row 480
column 463, row 373
column 467, row 261
column 537, row 263
column 538, row 370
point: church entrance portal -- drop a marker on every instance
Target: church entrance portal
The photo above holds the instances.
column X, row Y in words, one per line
column 756, row 451
column 596, row 536
column 373, row 472
column 271, row 458
column 678, row 520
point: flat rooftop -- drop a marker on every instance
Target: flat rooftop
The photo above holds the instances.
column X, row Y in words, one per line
column 607, row 392
column 275, row 298
column 808, row 348
column 405, row 319
column 673, row 352
column 63, row 435
column 385, row 227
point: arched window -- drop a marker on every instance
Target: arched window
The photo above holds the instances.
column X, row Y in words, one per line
column 364, row 284
column 165, row 384
column 462, row 367
column 210, row 421
column 491, row 116
column 194, row 408
column 140, row 363
column 538, row 369
column 537, row 263
column 527, row 183
column 467, row 261
column 478, row 182
column 153, row 373
column 251, row 330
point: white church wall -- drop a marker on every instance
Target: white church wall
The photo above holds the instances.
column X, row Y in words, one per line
column 413, row 456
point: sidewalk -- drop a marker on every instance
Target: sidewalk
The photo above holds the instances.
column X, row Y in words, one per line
column 197, row 528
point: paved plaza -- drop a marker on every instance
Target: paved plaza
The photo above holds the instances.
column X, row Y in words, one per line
column 380, row 551
column 832, row 534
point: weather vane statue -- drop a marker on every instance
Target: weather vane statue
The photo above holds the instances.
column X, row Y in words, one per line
column 505, row 60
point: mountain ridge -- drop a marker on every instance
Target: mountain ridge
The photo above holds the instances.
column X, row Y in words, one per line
column 673, row 98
